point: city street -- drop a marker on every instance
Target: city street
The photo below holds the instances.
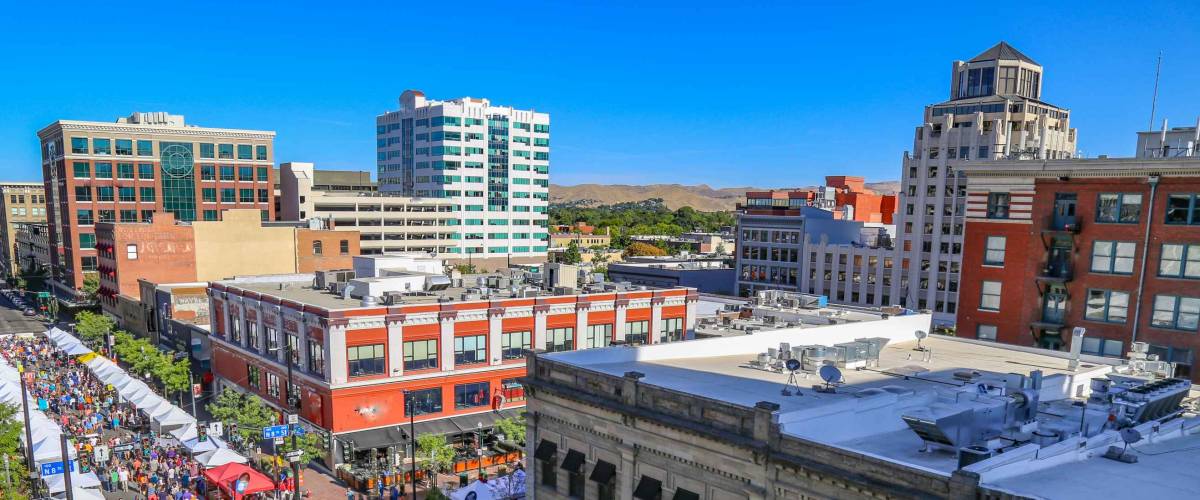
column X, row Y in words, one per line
column 12, row 321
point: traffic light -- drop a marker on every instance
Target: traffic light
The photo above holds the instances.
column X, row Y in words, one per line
column 233, row 430
column 347, row 453
column 201, row 432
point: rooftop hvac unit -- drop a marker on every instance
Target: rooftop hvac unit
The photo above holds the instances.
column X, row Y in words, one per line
column 1152, row 400
column 814, row 358
column 436, row 283
column 851, row 354
column 875, row 347
column 968, row 455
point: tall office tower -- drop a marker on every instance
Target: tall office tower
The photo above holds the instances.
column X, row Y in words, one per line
column 493, row 162
column 996, row 111
column 127, row 170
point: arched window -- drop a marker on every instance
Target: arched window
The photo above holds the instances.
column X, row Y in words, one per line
column 316, row 248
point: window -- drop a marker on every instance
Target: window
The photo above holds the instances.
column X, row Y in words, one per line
column 260, row 153
column 145, row 148
column 1103, row 347
column 420, row 354
column 317, row 247
column 127, row 194
column 1115, row 257
column 83, row 193
column 672, row 330
column 261, row 174
column 101, row 146
column 228, row 195
column 124, row 147
column 253, row 376
column 272, row 335
column 272, row 385
column 1183, row 209
column 560, row 339
column 344, row 247
column 104, row 170
column 235, row 329
column 1174, row 312
column 1107, row 306
column 104, row 193
column 1182, row 357
column 994, row 254
column 82, row 170
column 471, row 395
column 207, row 150
column 316, row 357
column 990, row 296
column 245, row 152
column 423, row 402
column 252, row 335
column 208, row 172
column 986, row 332
column 79, row 145
column 1179, row 261
column 84, row 217
column 145, row 171
column 210, row 215
column 997, row 205
column 471, row 349
column 226, row 173
column 208, row 195
column 246, row 196
column 366, row 360
column 1118, row 207
column 598, row 336
column 636, row 332
column 514, row 344
column 245, row 173
column 131, row 252
column 124, row 170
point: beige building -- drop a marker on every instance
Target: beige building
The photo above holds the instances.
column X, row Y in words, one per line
column 20, row 202
column 584, row 241
column 939, row 417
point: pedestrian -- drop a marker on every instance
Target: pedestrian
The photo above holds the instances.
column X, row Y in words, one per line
column 349, row 493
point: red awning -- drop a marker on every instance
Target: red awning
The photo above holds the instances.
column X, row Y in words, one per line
column 227, row 475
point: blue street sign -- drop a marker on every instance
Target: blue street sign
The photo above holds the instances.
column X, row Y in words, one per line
column 55, row 468
column 297, row 430
column 275, row 431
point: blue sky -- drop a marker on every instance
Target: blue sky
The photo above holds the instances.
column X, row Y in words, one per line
column 765, row 94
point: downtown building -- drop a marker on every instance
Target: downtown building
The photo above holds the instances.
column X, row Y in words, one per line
column 492, row 163
column 455, row 344
column 21, row 203
column 1110, row 245
column 125, row 171
column 996, row 111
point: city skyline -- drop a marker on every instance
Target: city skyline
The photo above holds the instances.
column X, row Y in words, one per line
column 624, row 119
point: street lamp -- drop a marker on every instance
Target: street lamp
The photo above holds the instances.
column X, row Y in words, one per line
column 479, row 449
column 412, row 441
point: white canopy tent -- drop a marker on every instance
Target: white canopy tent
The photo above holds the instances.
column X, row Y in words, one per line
column 57, row 483
column 195, row 446
column 185, row 433
column 82, row 494
column 480, row 489
column 77, row 349
column 173, row 418
column 219, row 457
column 49, row 449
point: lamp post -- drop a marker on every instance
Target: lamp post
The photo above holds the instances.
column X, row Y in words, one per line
column 479, row 449
column 295, row 462
column 66, row 461
column 412, row 441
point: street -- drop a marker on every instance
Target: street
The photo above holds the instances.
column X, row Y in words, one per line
column 12, row 321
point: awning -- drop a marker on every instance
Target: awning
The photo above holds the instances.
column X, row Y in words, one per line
column 393, row 435
column 603, row 472
column 574, row 461
column 648, row 488
column 682, row 494
column 545, row 450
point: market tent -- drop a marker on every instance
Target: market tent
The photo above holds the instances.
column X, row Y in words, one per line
column 82, row 494
column 120, row 383
column 481, row 489
column 219, row 457
column 10, row 394
column 50, row 450
column 104, row 369
column 226, row 475
column 195, row 446
column 58, row 483
column 76, row 349
column 135, row 391
column 173, row 418
column 185, row 433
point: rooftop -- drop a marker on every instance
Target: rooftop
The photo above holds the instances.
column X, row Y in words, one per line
column 932, row 381
column 1004, row 52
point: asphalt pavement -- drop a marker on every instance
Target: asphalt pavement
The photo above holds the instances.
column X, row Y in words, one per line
column 13, row 321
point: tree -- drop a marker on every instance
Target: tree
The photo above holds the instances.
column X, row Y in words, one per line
column 639, row 249
column 92, row 327
column 246, row 410
column 572, row 255
column 512, row 428
column 174, row 373
column 311, row 444
column 435, row 452
column 465, row 268
column 91, row 284
column 11, row 428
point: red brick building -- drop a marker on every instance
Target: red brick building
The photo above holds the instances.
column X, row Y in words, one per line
column 354, row 359
column 1110, row 245
column 846, row 196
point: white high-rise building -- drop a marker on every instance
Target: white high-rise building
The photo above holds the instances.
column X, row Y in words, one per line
column 996, row 111
column 492, row 162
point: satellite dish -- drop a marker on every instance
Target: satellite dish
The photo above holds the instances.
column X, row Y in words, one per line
column 921, row 334
column 1130, row 435
column 792, row 364
column 830, row 374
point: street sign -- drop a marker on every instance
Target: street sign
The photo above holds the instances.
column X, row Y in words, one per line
column 101, row 453
column 295, row 454
column 298, row 431
column 55, row 468
column 43, row 295
column 275, row 431
column 278, row 441
column 293, row 418
column 122, row 447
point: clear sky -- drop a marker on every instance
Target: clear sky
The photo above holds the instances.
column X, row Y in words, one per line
column 771, row 94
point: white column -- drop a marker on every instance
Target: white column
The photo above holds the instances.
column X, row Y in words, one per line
column 335, row 340
column 539, row 329
column 395, row 345
column 619, row 327
column 655, row 322
column 689, row 321
column 495, row 325
column 446, row 345
column 581, row 321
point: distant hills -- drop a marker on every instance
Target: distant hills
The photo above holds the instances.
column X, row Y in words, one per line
column 700, row 197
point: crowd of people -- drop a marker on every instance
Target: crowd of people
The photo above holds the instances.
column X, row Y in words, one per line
column 148, row 467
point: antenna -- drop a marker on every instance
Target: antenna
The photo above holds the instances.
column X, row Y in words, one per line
column 831, row 375
column 1154, row 100
column 793, row 366
column 920, row 334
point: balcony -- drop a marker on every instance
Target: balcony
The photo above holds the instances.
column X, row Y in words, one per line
column 1056, row 272
column 1062, row 224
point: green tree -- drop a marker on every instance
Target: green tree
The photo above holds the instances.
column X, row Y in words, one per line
column 435, row 452
column 91, row 284
column 572, row 255
column 639, row 249
column 174, row 374
column 11, row 429
column 92, row 328
column 310, row 444
column 512, row 428
column 247, row 410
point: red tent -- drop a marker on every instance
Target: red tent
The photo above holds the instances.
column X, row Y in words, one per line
column 226, row 477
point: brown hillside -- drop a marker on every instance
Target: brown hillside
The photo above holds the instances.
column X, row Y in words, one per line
column 701, row 197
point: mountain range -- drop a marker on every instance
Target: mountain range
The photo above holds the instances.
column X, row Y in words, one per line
column 700, row 197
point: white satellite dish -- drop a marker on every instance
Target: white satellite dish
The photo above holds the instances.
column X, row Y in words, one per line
column 830, row 374
column 920, row 334
column 1130, row 435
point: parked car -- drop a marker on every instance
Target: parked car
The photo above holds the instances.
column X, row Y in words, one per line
column 30, row 312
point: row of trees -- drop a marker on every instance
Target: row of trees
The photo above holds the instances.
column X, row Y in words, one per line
column 15, row 482
column 139, row 354
column 640, row 218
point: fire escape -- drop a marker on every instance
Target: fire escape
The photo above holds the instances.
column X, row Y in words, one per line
column 1059, row 239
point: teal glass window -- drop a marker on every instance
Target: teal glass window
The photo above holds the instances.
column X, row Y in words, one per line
column 245, row 152
column 226, row 172
column 497, row 249
column 225, row 151
column 519, row 180
column 263, row 174
column 246, row 196
column 541, row 155
column 210, row 215
column 262, row 196
column 102, row 146
column 124, row 170
column 129, row 215
column 208, row 172
column 245, row 173
column 498, row 236
column 107, row 216
column 474, row 208
column 520, row 167
column 104, row 170
column 543, row 128
column 82, row 170
column 104, row 193
column 147, row 193
column 127, row 193
column 520, row 249
column 146, row 171
column 264, row 214
column 84, row 217
column 125, row 147
column 228, row 195
column 260, row 152
column 83, row 193
column 145, row 148
column 207, row 150
column 208, row 195
column 79, row 145
column 541, row 141
column 178, row 183
column 147, row 215
column 87, row 240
